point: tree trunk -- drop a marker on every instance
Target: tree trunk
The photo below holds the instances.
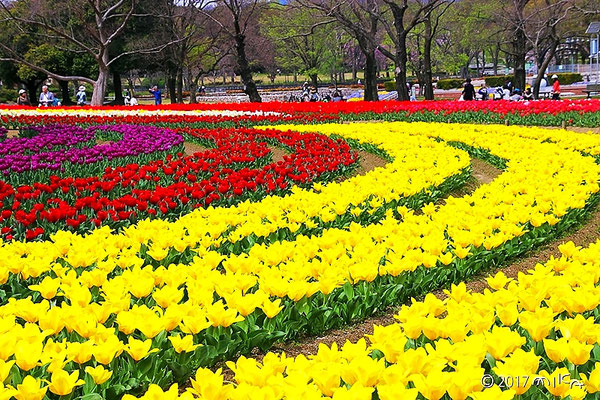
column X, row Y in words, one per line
column 118, row 89
column 193, row 91
column 428, row 73
column 543, row 67
column 242, row 61
column 519, row 53
column 495, row 59
column 370, row 76
column 100, row 86
column 31, row 87
column 314, row 79
column 354, row 70
column 401, row 61
column 66, row 96
column 180, row 85
column 172, row 86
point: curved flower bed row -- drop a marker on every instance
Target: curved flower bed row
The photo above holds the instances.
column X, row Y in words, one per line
column 237, row 169
column 573, row 112
column 162, row 298
column 531, row 338
column 55, row 147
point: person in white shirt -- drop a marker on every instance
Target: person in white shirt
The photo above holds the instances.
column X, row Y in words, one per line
column 46, row 97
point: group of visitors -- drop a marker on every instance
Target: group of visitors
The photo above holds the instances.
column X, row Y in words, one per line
column 48, row 99
column 311, row 94
column 505, row 92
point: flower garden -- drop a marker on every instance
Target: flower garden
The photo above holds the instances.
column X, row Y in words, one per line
column 160, row 253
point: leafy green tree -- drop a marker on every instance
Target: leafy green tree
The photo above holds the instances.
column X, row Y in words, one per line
column 299, row 44
column 80, row 26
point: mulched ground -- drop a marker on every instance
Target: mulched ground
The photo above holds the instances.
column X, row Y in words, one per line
column 189, row 148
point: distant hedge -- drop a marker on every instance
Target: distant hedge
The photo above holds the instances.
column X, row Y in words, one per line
column 565, row 78
column 495, row 81
column 569, row 77
column 446, row 84
column 390, row 86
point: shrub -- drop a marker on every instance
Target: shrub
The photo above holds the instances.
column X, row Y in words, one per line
column 390, row 86
column 495, row 81
column 446, row 84
column 568, row 78
column 8, row 95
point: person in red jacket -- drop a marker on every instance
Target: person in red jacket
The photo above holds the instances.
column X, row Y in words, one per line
column 555, row 88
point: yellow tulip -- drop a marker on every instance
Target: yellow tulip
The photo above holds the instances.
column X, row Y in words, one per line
column 28, row 354
column 61, row 383
column 218, row 315
column 502, row 341
column 7, row 392
column 556, row 350
column 183, row 344
column 578, row 353
column 209, row 385
column 557, row 383
column 47, row 287
column 5, row 368
column 434, row 385
column 508, row 314
column 30, row 389
column 396, row 391
column 494, row 393
column 271, row 308
column 498, row 281
column 592, row 382
column 139, row 349
column 104, row 352
column 98, row 374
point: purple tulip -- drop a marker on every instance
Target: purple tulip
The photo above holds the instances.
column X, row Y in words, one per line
column 56, row 145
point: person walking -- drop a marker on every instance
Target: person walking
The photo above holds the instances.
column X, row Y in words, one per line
column 80, row 96
column 157, row 95
column 23, row 100
column 47, row 98
column 468, row 92
column 555, row 87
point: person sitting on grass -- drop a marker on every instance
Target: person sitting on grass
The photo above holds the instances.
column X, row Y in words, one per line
column 516, row 96
column 483, row 92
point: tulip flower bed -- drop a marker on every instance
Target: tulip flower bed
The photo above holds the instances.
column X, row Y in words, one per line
column 73, row 150
column 238, row 169
column 584, row 113
column 532, row 338
column 106, row 307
